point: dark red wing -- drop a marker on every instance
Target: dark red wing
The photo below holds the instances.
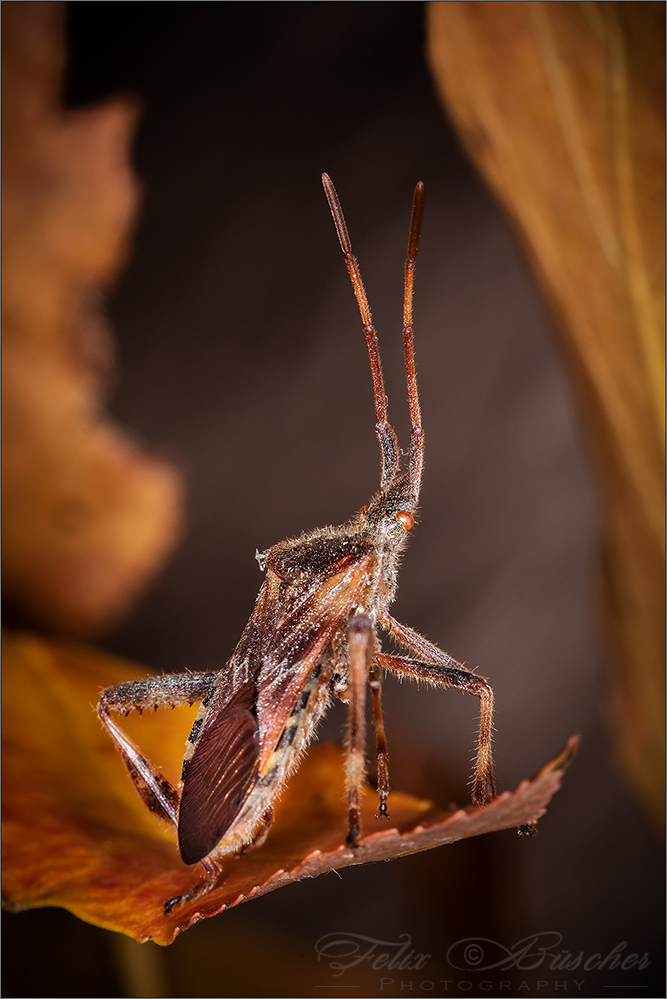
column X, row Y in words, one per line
column 280, row 658
column 220, row 776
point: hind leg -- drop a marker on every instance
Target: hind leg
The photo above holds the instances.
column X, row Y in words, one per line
column 438, row 668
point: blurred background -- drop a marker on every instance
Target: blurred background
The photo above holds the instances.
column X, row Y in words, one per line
column 240, row 357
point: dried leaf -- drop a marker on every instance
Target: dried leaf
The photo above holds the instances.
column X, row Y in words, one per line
column 87, row 517
column 562, row 108
column 76, row 835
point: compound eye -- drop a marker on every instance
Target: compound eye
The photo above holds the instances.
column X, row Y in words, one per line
column 406, row 519
column 363, row 510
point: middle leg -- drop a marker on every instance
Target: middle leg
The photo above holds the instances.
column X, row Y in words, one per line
column 381, row 750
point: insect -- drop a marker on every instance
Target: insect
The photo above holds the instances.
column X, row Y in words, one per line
column 312, row 635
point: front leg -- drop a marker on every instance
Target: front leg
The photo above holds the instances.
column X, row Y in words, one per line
column 157, row 793
column 442, row 670
column 361, row 643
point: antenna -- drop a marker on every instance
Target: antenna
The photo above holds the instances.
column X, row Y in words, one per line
column 386, row 436
column 416, row 432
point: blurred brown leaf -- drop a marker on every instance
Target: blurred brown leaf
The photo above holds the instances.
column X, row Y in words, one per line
column 87, row 517
column 76, row 834
column 561, row 106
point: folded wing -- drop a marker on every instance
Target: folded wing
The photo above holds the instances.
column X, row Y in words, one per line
column 220, row 776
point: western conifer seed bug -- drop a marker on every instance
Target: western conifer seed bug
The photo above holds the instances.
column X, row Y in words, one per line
column 313, row 633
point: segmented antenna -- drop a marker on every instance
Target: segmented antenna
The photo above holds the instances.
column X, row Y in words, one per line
column 385, row 432
column 388, row 444
column 416, row 432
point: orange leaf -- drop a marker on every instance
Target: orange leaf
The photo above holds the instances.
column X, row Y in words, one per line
column 76, row 835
